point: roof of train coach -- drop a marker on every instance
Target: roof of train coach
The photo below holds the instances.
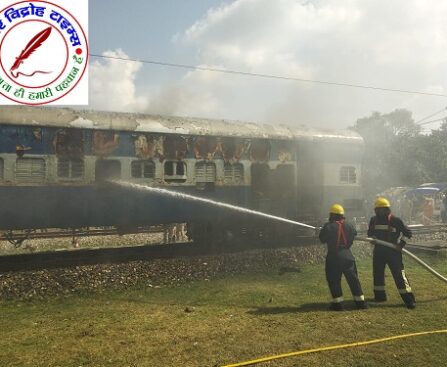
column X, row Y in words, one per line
column 70, row 118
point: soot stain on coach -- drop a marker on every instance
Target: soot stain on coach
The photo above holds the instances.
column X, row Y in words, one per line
column 53, row 163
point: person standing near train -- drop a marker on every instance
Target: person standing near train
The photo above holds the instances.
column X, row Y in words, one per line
column 444, row 208
column 387, row 227
column 339, row 236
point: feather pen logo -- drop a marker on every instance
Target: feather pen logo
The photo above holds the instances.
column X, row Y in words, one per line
column 32, row 46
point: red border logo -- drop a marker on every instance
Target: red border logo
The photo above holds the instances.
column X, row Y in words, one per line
column 43, row 52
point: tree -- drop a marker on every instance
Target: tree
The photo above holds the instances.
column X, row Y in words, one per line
column 433, row 154
column 389, row 141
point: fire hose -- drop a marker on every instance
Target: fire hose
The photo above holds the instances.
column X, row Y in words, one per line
column 374, row 241
column 334, row 347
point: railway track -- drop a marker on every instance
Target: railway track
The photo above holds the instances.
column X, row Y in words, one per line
column 421, row 229
column 65, row 258
column 93, row 256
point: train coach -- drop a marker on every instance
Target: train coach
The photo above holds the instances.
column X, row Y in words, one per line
column 55, row 164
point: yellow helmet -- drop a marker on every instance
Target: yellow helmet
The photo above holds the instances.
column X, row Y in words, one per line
column 337, row 209
column 381, row 203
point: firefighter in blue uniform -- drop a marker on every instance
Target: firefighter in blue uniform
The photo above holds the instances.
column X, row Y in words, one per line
column 387, row 227
column 339, row 236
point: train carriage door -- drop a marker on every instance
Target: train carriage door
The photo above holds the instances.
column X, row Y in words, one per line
column 310, row 180
column 311, row 189
column 110, row 205
column 283, row 190
column 260, row 186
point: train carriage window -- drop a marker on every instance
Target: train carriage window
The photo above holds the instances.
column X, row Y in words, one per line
column 205, row 175
column 169, row 168
column 106, row 169
column 175, row 171
column 180, row 169
column 30, row 170
column 205, row 172
column 348, row 175
column 233, row 173
column 143, row 169
column 1, row 168
column 70, row 168
column 77, row 168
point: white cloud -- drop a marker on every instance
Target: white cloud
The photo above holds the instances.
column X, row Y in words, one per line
column 112, row 84
column 392, row 44
column 399, row 45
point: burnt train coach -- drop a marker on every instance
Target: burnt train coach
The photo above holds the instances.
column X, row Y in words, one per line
column 55, row 164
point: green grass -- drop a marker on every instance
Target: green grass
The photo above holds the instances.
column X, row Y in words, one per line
column 233, row 319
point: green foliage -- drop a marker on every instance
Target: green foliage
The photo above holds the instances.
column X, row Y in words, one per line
column 434, row 154
column 398, row 154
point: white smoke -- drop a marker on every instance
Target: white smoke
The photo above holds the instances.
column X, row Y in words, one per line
column 112, row 84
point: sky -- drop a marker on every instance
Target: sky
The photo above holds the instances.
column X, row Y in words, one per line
column 400, row 44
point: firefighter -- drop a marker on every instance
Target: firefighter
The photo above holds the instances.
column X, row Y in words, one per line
column 339, row 235
column 385, row 226
column 427, row 211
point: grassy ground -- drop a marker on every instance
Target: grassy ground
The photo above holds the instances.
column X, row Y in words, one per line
column 218, row 322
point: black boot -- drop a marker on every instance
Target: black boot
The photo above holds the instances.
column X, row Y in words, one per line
column 379, row 296
column 361, row 305
column 409, row 300
column 336, row 306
